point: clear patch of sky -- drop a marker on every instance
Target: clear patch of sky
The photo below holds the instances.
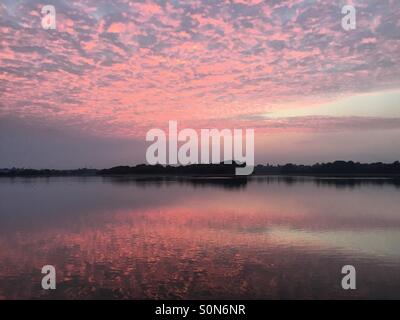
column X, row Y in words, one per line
column 378, row 104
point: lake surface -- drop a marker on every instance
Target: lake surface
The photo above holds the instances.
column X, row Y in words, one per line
column 261, row 238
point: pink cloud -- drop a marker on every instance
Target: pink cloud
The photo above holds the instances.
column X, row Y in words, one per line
column 122, row 71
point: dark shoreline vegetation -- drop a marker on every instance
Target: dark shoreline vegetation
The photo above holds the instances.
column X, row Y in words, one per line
column 331, row 169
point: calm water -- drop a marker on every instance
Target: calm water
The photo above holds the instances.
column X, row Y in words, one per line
column 271, row 238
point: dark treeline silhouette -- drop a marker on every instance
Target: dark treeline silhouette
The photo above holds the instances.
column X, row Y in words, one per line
column 141, row 169
column 193, row 169
column 336, row 168
column 15, row 172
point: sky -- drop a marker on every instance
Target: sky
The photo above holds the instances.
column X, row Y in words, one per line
column 86, row 93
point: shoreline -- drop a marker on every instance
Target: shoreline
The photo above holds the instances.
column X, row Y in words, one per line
column 213, row 176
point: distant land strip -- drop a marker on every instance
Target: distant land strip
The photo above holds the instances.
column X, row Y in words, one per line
column 336, row 168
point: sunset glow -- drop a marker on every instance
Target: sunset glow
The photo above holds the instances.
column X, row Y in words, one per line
column 115, row 69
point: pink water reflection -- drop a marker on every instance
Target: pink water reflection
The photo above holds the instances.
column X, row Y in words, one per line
column 256, row 242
